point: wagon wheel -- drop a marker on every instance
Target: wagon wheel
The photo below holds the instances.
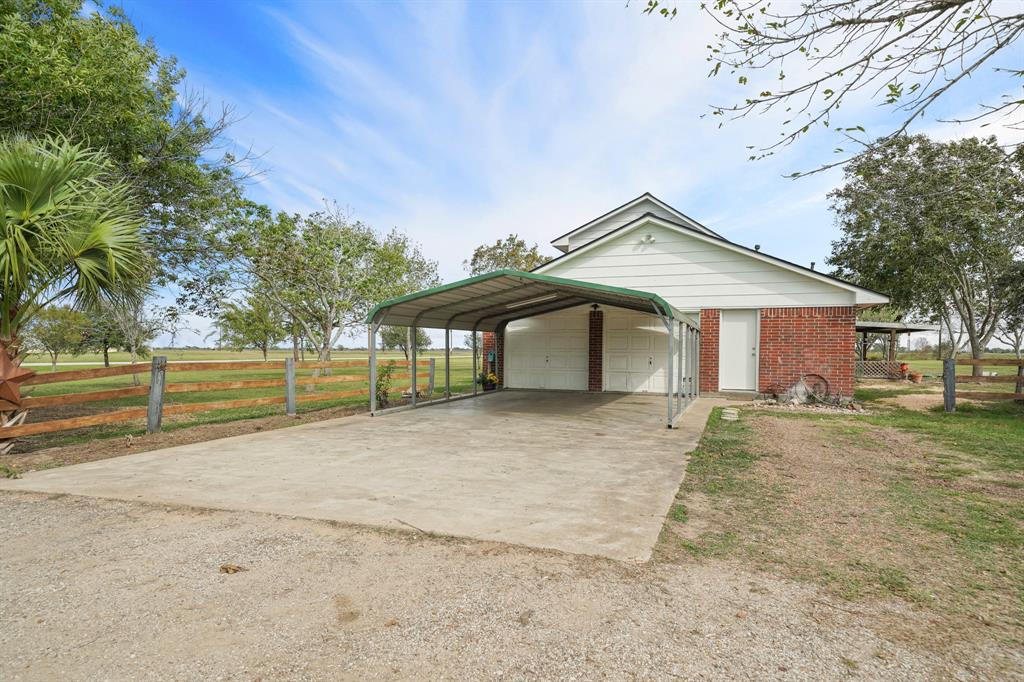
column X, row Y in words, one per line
column 817, row 386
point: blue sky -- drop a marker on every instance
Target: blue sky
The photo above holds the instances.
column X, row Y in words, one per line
column 459, row 123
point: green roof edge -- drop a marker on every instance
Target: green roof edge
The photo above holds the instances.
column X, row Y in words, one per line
column 654, row 298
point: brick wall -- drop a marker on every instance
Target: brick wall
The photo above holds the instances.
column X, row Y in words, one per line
column 499, row 354
column 709, row 318
column 797, row 341
column 595, row 371
column 495, row 342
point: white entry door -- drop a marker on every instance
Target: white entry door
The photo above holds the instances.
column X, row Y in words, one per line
column 737, row 350
column 548, row 351
column 635, row 352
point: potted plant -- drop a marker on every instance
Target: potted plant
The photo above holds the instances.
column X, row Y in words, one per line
column 489, row 380
column 904, row 370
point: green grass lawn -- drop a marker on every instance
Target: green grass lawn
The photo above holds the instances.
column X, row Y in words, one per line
column 920, row 506
column 461, row 376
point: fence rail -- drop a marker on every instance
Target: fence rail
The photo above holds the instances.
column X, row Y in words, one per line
column 157, row 388
column 950, row 379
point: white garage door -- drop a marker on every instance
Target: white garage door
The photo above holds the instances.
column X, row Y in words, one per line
column 548, row 351
column 635, row 352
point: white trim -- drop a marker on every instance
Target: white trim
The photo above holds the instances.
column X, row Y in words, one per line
column 863, row 296
column 562, row 243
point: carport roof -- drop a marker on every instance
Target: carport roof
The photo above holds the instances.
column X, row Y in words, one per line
column 486, row 302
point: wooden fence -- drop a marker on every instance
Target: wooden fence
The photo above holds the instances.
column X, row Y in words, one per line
column 950, row 379
column 158, row 387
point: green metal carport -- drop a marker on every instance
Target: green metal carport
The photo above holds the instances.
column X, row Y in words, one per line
column 489, row 302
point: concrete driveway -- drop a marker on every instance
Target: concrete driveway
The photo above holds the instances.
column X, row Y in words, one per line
column 584, row 473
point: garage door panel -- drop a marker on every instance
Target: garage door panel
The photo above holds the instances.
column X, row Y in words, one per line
column 635, row 352
column 551, row 349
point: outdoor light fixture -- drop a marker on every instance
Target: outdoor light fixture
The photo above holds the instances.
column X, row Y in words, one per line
column 647, row 239
column 539, row 299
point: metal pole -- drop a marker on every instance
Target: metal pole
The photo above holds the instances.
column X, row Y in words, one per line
column 430, row 381
column 474, row 360
column 372, row 345
column 155, row 406
column 289, row 387
column 448, row 364
column 412, row 354
column 682, row 359
column 949, row 385
column 669, row 369
column 696, row 360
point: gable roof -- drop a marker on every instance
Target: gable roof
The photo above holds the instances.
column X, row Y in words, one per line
column 561, row 242
column 870, row 296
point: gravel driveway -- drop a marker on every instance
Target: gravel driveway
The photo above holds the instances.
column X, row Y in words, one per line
column 102, row 589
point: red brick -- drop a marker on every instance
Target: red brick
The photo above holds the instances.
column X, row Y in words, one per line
column 794, row 341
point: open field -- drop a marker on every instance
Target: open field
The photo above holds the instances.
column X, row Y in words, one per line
column 461, row 372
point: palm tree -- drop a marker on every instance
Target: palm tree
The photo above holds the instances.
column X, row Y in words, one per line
column 70, row 232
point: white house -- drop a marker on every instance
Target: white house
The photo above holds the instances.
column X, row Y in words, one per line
column 598, row 317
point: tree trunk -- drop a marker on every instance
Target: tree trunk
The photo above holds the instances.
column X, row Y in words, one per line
column 53, row 362
column 295, row 346
column 106, row 355
column 264, row 353
column 134, row 358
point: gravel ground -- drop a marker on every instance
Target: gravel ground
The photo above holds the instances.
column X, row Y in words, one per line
column 98, row 589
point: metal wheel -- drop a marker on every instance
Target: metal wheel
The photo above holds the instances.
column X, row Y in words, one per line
column 817, row 386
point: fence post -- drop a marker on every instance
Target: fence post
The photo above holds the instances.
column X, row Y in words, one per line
column 289, row 387
column 949, row 385
column 430, row 380
column 155, row 406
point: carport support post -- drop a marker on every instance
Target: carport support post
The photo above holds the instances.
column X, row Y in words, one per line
column 474, row 360
column 289, row 387
column 670, row 323
column 682, row 358
column 448, row 364
column 372, row 345
column 155, row 406
column 412, row 354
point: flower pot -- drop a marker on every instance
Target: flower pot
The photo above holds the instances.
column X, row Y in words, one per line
column 915, row 377
column 490, row 387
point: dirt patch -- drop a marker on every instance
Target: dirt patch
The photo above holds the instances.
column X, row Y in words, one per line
column 126, row 445
column 919, row 402
column 822, row 501
column 99, row 589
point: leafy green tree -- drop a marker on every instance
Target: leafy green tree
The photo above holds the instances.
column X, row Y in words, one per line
column 70, row 233
column 397, row 338
column 58, row 330
column 808, row 59
column 255, row 323
column 324, row 271
column 937, row 226
column 101, row 334
column 89, row 77
column 510, row 253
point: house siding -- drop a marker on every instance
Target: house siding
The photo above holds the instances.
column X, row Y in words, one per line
column 615, row 222
column 691, row 274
